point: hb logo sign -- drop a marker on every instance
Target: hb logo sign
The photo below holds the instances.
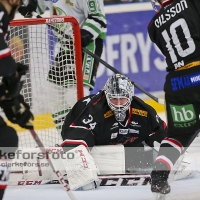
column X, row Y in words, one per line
column 183, row 116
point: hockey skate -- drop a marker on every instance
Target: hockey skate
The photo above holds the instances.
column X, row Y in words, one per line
column 160, row 188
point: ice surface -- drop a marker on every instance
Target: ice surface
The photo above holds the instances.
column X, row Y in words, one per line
column 181, row 190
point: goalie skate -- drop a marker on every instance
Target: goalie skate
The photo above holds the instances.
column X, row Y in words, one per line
column 160, row 189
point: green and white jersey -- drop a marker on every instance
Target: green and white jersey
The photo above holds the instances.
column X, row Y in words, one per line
column 89, row 13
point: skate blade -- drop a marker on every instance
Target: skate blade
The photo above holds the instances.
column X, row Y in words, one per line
column 158, row 196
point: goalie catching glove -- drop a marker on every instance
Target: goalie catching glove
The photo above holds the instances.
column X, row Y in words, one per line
column 18, row 112
column 11, row 85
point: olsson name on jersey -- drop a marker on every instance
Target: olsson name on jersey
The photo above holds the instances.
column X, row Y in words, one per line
column 170, row 13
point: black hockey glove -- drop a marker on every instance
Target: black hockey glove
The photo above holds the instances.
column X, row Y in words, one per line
column 86, row 38
column 26, row 11
column 12, row 85
column 18, row 112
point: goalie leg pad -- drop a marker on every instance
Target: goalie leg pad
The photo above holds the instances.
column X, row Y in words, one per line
column 110, row 159
column 187, row 168
column 33, row 165
column 81, row 169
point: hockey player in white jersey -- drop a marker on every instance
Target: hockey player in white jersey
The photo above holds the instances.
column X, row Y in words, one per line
column 91, row 18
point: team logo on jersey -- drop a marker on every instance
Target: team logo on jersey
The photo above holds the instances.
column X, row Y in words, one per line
column 133, row 131
column 182, row 82
column 179, row 64
column 114, row 135
column 115, row 125
column 183, row 116
column 69, row 2
column 136, row 111
column 130, row 140
column 87, row 100
column 108, row 114
column 134, row 124
column 123, row 131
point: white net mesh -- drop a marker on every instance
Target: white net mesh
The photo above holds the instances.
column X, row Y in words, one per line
column 50, row 87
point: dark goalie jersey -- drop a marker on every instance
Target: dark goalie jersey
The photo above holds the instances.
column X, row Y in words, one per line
column 175, row 29
column 92, row 121
column 7, row 63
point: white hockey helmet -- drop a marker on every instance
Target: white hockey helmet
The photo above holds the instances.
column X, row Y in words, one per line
column 119, row 91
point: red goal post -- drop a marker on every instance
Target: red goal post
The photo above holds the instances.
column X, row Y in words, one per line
column 54, row 82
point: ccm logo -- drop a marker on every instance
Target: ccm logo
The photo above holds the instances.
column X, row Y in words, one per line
column 85, row 165
column 29, row 182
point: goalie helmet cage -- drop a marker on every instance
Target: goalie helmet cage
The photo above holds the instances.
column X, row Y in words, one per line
column 54, row 82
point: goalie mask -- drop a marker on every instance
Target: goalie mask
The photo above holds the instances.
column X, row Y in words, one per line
column 119, row 93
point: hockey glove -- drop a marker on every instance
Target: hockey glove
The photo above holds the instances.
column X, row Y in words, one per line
column 26, row 11
column 86, row 38
column 18, row 112
column 12, row 85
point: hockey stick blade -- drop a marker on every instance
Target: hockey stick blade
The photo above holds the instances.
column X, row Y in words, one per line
column 160, row 101
column 57, row 172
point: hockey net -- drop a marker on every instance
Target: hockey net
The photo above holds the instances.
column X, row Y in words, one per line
column 51, row 48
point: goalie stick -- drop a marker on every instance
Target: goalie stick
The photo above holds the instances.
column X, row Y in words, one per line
column 104, row 180
column 57, row 172
column 120, row 180
column 160, row 101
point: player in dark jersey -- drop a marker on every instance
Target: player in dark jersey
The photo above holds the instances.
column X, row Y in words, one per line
column 12, row 103
column 115, row 116
column 175, row 29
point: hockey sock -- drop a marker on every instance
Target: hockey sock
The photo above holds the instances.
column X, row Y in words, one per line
column 160, row 171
